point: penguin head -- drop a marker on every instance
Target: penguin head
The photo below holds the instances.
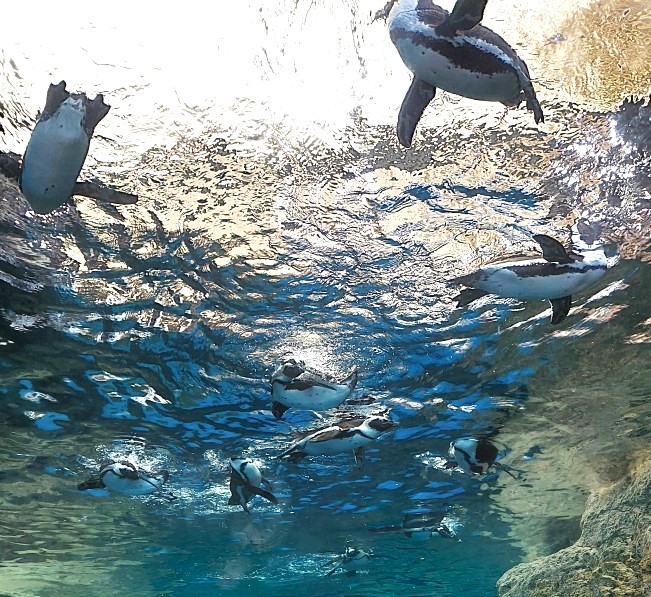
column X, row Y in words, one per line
column 473, row 454
column 122, row 469
column 379, row 423
column 289, row 370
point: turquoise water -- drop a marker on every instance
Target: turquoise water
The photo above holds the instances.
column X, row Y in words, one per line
column 276, row 220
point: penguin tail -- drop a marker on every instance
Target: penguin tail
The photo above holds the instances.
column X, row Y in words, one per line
column 94, row 483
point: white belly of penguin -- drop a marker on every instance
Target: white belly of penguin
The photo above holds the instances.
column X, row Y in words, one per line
column 130, row 486
column 55, row 154
column 334, row 446
column 316, row 398
column 438, row 71
column 504, row 282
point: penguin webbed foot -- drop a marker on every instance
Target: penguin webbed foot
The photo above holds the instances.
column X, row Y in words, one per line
column 560, row 309
column 278, row 410
column 383, row 13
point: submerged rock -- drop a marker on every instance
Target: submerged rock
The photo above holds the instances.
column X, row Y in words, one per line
column 612, row 556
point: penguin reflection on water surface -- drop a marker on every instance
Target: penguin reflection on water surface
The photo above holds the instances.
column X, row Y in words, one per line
column 246, row 481
column 475, row 455
column 127, row 479
column 353, row 434
column 453, row 52
column 294, row 386
column 58, row 147
column 559, row 274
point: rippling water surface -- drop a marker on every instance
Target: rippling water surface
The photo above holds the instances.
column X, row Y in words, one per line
column 277, row 216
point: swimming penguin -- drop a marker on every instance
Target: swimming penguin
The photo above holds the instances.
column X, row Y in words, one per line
column 475, row 455
column 125, row 478
column 452, row 51
column 246, row 481
column 420, row 526
column 353, row 434
column 58, row 147
column 352, row 560
column 293, row 386
column 559, row 274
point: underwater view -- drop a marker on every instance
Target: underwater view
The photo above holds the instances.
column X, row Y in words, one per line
column 337, row 329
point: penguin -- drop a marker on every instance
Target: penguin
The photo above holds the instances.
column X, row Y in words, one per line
column 352, row 434
column 559, row 274
column 58, row 147
column 245, row 482
column 125, row 478
column 475, row 455
column 453, row 52
column 293, row 386
column 352, row 560
column 419, row 527
column 425, row 526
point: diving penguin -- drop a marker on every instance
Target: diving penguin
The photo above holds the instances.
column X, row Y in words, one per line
column 246, row 481
column 559, row 274
column 453, row 52
column 352, row 560
column 125, row 478
column 294, row 386
column 58, row 147
column 353, row 434
column 475, row 455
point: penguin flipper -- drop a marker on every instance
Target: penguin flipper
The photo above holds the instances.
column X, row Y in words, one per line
column 267, row 495
column 468, row 295
column 278, row 409
column 465, row 15
column 418, row 97
column 560, row 308
column 552, row 249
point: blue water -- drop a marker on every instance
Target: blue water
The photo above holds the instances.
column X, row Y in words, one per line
column 149, row 332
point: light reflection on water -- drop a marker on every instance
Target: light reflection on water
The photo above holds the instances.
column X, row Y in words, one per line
column 278, row 216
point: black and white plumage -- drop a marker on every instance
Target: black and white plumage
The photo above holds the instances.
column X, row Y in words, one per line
column 58, row 147
column 420, row 527
column 353, row 434
column 555, row 277
column 424, row 526
column 246, row 481
column 351, row 561
column 453, row 52
column 475, row 455
column 294, row 386
column 126, row 478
